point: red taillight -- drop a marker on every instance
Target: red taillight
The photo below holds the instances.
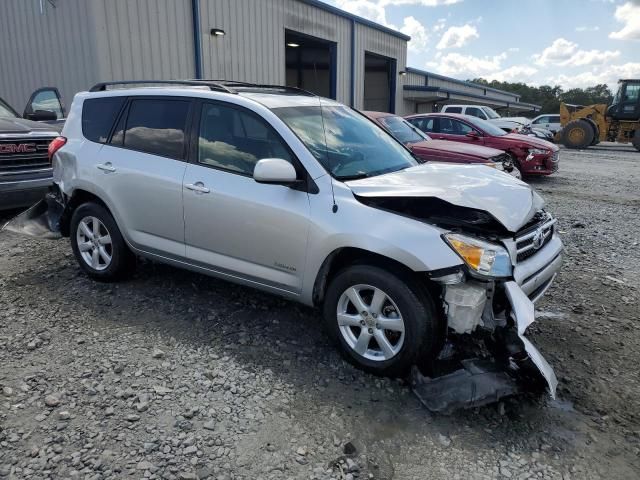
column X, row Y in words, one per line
column 55, row 145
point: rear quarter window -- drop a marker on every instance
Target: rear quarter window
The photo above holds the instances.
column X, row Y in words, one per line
column 98, row 117
column 453, row 109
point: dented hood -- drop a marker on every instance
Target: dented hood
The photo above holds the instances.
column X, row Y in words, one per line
column 510, row 201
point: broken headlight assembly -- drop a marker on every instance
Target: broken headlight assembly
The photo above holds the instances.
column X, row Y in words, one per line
column 483, row 258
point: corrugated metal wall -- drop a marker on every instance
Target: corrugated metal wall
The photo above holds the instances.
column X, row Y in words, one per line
column 143, row 39
column 253, row 48
column 53, row 48
column 81, row 42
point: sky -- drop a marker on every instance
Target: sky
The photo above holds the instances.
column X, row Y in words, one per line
column 571, row 43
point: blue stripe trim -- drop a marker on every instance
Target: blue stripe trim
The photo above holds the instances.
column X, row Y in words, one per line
column 355, row 18
column 197, row 47
column 353, row 63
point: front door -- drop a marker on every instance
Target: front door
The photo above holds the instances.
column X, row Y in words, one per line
column 453, row 129
column 234, row 225
column 629, row 108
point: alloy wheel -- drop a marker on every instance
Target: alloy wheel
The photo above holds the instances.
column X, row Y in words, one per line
column 94, row 243
column 370, row 322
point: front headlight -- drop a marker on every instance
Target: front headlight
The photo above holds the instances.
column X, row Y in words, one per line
column 537, row 151
column 485, row 258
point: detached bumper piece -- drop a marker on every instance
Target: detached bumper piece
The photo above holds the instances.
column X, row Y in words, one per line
column 42, row 220
column 478, row 383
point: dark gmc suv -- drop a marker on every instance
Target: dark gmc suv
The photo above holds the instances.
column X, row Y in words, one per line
column 25, row 168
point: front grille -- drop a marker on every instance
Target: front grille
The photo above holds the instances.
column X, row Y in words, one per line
column 535, row 235
column 16, row 158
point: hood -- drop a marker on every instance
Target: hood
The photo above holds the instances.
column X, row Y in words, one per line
column 459, row 147
column 20, row 125
column 510, row 201
column 532, row 141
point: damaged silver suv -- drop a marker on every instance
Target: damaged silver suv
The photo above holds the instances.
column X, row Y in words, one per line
column 301, row 196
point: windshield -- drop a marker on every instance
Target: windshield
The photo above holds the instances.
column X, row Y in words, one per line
column 403, row 130
column 491, row 113
column 486, row 126
column 6, row 111
column 349, row 146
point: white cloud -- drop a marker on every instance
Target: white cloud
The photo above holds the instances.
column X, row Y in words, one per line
column 610, row 76
column 517, row 73
column 584, row 28
column 559, row 51
column 368, row 9
column 629, row 15
column 456, row 37
column 417, row 32
column 457, row 64
column 565, row 53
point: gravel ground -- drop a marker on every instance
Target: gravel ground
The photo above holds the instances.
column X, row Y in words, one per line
column 176, row 375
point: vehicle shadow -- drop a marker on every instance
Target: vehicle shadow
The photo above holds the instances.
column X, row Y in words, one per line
column 261, row 331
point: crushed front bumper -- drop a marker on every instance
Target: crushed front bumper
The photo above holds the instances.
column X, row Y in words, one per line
column 510, row 363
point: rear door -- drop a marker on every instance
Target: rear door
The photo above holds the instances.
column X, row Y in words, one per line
column 141, row 169
column 233, row 225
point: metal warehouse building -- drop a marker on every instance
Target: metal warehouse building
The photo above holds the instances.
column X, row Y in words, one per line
column 72, row 44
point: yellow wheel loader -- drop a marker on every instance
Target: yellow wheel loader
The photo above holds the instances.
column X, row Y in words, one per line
column 618, row 122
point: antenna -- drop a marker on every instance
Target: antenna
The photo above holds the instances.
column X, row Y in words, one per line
column 334, row 209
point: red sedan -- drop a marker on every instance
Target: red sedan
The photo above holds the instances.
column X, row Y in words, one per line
column 532, row 156
column 439, row 150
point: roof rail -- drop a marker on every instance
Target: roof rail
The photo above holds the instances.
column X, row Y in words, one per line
column 235, row 84
column 227, row 86
column 102, row 86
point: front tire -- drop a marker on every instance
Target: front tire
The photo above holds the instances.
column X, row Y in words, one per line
column 577, row 134
column 381, row 322
column 98, row 245
column 636, row 139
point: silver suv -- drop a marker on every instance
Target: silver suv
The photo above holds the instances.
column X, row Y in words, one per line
column 301, row 196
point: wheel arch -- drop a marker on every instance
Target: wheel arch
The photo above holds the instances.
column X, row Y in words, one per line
column 343, row 257
column 78, row 197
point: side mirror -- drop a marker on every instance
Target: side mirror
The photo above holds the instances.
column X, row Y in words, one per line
column 275, row 171
column 42, row 116
column 473, row 134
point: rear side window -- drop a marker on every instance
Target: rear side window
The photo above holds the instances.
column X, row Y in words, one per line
column 157, row 126
column 98, row 115
column 453, row 110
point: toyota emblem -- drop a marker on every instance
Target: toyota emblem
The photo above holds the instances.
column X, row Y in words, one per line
column 538, row 239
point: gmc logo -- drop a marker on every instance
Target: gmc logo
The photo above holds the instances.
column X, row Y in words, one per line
column 17, row 147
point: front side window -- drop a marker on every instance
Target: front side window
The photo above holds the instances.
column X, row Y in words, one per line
column 344, row 142
column 426, row 124
column 47, row 100
column 98, row 116
column 156, row 126
column 475, row 112
column 402, row 130
column 486, row 126
column 234, row 139
column 631, row 93
column 541, row 120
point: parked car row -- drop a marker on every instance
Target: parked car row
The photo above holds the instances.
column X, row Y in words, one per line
column 411, row 262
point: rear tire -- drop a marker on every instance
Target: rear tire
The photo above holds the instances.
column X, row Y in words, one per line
column 98, row 244
column 394, row 326
column 577, row 134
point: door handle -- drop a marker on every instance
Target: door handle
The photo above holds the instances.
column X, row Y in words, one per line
column 197, row 187
column 106, row 167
